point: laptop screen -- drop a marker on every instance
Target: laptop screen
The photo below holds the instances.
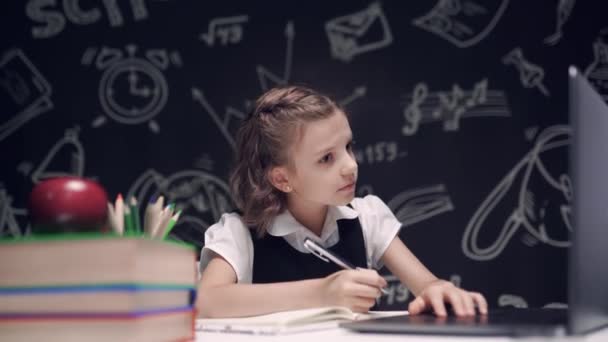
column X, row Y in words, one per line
column 588, row 274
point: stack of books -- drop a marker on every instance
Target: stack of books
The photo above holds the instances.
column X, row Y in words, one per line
column 96, row 287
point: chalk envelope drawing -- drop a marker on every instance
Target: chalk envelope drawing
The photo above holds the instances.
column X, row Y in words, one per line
column 359, row 32
column 463, row 23
column 536, row 191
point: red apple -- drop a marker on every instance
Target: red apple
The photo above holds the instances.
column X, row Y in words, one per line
column 68, row 204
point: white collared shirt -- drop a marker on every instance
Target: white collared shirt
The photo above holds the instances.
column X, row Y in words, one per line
column 230, row 238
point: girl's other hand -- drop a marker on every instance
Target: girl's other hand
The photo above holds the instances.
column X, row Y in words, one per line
column 354, row 289
column 437, row 293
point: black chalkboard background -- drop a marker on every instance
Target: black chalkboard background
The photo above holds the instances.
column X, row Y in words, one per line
column 459, row 110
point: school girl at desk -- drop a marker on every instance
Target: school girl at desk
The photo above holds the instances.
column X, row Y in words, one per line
column 294, row 182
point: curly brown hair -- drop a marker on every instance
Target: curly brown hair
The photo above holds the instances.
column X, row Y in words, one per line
column 262, row 143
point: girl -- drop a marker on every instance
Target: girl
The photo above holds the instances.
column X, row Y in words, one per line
column 294, row 179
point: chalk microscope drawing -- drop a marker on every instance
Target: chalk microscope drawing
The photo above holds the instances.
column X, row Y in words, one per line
column 228, row 30
column 24, row 92
column 419, row 204
column 357, row 33
column 597, row 71
column 531, row 194
column 463, row 23
column 450, row 106
column 563, row 11
column 530, row 75
column 132, row 90
column 201, row 196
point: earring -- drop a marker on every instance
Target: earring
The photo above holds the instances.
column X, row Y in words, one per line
column 287, row 188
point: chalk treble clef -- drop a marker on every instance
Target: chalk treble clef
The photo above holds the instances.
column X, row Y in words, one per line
column 412, row 113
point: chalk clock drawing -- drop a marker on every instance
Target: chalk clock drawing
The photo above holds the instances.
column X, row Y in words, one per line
column 132, row 90
column 24, row 92
column 419, row 204
column 357, row 33
column 267, row 78
column 201, row 196
column 449, row 107
column 532, row 193
column 463, row 23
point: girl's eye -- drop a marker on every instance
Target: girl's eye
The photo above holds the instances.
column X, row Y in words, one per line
column 326, row 158
column 350, row 145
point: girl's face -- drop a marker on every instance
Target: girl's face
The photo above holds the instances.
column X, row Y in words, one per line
column 324, row 169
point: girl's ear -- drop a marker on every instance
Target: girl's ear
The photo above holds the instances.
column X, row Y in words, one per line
column 278, row 178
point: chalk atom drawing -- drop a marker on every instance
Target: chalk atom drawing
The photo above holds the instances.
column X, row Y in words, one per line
column 597, row 71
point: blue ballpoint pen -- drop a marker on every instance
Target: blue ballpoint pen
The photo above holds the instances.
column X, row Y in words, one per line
column 328, row 256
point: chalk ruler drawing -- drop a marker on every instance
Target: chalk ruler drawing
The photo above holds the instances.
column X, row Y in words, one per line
column 228, row 30
column 358, row 33
column 201, row 196
column 530, row 75
column 563, row 11
column 24, row 92
column 526, row 206
column 419, row 204
column 449, row 107
column 463, row 23
column 132, row 90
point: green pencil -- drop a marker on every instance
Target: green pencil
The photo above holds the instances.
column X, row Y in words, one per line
column 128, row 221
column 171, row 224
column 135, row 215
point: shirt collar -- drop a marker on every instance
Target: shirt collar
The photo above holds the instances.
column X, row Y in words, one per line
column 285, row 224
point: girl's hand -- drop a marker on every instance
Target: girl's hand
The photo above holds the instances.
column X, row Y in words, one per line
column 437, row 293
column 354, row 289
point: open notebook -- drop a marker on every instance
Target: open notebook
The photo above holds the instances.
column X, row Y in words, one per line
column 288, row 321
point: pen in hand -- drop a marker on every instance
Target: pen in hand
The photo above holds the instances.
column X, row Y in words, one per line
column 328, row 256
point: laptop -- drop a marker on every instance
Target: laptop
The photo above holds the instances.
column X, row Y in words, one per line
column 587, row 275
